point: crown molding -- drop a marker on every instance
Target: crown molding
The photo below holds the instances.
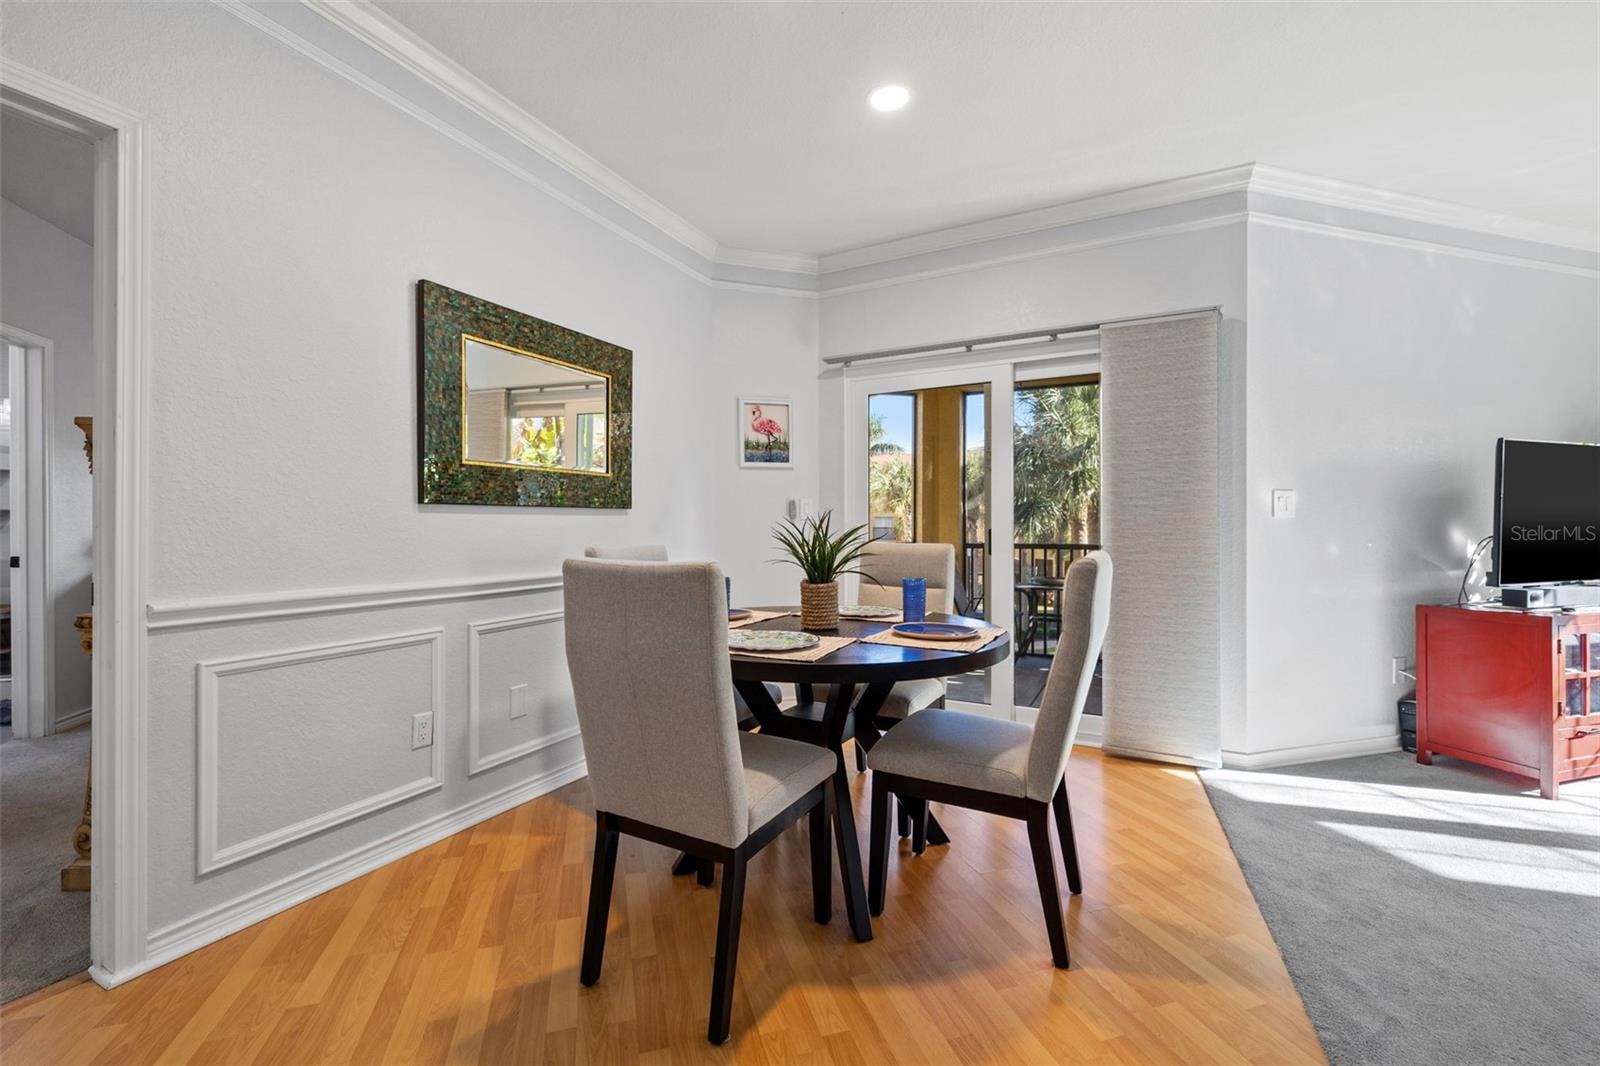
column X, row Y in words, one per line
column 757, row 260
column 369, row 25
column 1122, row 202
column 1331, row 192
column 782, row 273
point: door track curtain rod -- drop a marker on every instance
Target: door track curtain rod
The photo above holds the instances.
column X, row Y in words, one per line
column 1002, row 341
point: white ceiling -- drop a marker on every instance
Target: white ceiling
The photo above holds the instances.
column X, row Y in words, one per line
column 750, row 120
column 48, row 173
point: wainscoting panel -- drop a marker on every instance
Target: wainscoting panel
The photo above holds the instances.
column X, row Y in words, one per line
column 294, row 743
column 525, row 652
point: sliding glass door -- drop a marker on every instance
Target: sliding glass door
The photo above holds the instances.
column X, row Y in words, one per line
column 1001, row 461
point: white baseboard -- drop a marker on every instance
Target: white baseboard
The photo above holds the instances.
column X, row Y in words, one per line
column 1324, row 752
column 73, row 719
column 182, row 937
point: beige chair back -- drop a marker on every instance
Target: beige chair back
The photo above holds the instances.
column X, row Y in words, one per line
column 890, row 561
column 647, row 647
column 1085, row 610
column 645, row 553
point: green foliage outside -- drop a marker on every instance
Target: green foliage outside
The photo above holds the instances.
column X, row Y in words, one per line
column 891, row 489
column 1057, row 456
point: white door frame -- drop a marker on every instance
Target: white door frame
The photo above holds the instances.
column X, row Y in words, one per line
column 1000, row 370
column 117, row 911
column 32, row 617
column 997, row 592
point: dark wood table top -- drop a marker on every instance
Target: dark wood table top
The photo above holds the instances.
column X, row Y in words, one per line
column 867, row 664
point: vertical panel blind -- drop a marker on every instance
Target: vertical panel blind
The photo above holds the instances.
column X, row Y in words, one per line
column 1159, row 522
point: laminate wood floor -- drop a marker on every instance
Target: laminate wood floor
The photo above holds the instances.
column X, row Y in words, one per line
column 468, row 952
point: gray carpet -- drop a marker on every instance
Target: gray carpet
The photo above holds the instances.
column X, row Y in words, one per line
column 44, row 932
column 1441, row 914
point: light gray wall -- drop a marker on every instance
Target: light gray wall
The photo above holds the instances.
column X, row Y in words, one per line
column 291, row 213
column 1380, row 376
column 46, row 280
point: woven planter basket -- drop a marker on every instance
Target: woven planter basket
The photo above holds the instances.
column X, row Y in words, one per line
column 819, row 605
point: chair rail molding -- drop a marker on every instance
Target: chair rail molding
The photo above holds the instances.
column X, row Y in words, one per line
column 299, row 603
column 477, row 762
column 211, row 854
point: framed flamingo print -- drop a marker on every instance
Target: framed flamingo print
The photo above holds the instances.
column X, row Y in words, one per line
column 764, row 433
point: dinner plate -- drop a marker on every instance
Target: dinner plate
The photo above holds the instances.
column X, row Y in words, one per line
column 771, row 640
column 867, row 610
column 935, row 631
column 736, row 613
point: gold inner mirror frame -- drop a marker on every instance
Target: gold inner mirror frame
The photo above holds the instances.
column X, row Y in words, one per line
column 527, row 411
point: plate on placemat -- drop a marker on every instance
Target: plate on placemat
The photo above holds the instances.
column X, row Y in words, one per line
column 771, row 640
column 736, row 613
column 867, row 610
column 934, row 631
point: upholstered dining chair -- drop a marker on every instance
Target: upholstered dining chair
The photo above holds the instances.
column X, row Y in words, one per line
column 666, row 762
column 1001, row 767
column 657, row 553
column 883, row 566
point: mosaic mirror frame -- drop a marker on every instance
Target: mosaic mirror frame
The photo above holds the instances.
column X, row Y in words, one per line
column 446, row 319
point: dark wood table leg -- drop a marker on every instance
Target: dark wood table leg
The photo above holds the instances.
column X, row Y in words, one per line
column 844, row 820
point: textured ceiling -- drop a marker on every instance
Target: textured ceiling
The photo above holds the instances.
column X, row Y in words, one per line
column 750, row 120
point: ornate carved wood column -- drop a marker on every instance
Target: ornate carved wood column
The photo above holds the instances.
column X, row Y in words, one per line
column 75, row 875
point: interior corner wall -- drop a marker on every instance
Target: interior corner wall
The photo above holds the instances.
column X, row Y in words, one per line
column 763, row 346
column 290, row 214
column 1380, row 376
column 46, row 282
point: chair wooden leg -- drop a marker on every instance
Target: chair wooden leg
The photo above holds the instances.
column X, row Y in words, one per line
column 1069, row 841
column 844, row 830
column 878, row 831
column 902, row 817
column 729, row 917
column 605, row 871
column 821, row 863
column 861, row 759
column 706, row 875
column 1044, row 868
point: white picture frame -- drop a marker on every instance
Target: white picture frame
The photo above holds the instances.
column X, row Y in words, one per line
column 765, row 427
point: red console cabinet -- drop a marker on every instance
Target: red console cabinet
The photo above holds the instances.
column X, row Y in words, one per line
column 1516, row 690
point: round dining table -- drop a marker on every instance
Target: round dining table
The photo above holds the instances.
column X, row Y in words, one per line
column 859, row 677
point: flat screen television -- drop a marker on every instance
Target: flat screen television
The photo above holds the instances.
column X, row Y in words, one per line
column 1546, row 512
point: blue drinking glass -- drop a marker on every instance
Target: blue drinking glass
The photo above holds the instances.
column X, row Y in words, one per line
column 914, row 598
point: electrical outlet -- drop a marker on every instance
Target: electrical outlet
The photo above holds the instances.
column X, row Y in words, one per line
column 519, row 701
column 421, row 730
column 1283, row 503
column 1398, row 673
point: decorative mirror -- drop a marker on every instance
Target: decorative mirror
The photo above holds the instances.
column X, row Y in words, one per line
column 517, row 411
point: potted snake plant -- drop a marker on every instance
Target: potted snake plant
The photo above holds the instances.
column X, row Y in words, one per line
column 823, row 557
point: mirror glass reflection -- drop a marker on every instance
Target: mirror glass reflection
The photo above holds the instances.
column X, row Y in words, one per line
column 523, row 409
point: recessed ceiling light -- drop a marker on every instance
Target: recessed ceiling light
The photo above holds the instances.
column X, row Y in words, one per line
column 889, row 97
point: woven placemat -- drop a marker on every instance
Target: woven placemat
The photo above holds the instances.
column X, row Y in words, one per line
column 757, row 616
column 826, row 646
column 889, row 636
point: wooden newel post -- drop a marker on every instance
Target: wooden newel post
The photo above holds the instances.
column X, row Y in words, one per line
column 75, row 875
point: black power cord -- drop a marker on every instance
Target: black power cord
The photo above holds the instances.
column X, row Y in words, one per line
column 1461, row 596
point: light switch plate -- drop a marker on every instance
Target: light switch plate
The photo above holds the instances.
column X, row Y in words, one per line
column 519, row 701
column 1283, row 503
column 421, row 730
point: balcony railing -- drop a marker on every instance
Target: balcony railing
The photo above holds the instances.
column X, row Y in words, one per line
column 1033, row 565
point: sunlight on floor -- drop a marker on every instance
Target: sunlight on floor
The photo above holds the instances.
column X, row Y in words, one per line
column 1510, row 839
column 1571, row 871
